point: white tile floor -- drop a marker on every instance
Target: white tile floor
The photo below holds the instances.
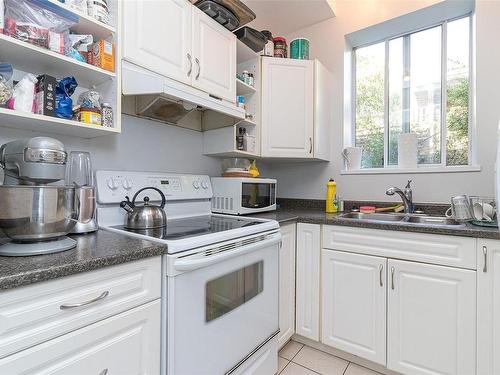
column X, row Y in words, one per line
column 299, row 359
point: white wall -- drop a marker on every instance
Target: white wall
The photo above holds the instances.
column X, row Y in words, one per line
column 143, row 146
column 307, row 180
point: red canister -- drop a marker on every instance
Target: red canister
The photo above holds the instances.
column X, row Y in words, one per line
column 280, row 47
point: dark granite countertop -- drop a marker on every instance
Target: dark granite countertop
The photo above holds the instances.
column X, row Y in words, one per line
column 93, row 251
column 318, row 216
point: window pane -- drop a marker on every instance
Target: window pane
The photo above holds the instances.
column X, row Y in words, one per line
column 457, row 89
column 369, row 130
column 425, row 93
column 396, row 81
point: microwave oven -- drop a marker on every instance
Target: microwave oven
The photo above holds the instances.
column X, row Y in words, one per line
column 242, row 195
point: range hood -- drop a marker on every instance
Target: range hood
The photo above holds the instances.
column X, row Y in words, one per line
column 164, row 99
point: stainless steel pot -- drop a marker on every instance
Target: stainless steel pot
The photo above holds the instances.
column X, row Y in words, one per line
column 37, row 213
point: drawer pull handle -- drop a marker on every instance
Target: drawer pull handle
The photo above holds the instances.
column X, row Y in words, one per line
column 80, row 304
column 199, row 68
column 485, row 264
column 381, row 269
column 190, row 65
column 104, row 372
column 392, row 278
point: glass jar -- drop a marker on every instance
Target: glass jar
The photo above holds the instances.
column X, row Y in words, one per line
column 280, row 47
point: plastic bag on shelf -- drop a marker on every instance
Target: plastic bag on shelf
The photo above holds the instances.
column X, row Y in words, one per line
column 6, row 82
column 78, row 46
column 90, row 99
column 64, row 104
column 78, row 5
column 38, row 22
column 23, row 96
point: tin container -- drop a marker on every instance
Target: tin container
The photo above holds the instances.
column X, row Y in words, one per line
column 299, row 49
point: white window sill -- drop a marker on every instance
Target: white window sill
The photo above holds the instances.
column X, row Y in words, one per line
column 466, row 168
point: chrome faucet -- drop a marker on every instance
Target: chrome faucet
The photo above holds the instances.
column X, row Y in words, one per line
column 405, row 195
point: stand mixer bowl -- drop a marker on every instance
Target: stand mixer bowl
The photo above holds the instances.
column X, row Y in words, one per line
column 37, row 213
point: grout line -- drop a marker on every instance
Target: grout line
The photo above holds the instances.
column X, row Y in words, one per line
column 283, row 369
column 298, row 351
column 348, row 364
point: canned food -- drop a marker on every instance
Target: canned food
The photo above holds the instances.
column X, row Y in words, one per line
column 280, row 47
column 91, row 116
column 299, row 49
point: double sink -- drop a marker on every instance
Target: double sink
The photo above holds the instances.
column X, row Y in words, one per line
column 402, row 218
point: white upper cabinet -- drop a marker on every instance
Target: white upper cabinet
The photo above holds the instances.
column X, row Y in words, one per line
column 431, row 319
column 354, row 304
column 157, row 36
column 296, row 109
column 177, row 40
column 214, row 57
column 488, row 306
column 287, row 284
column 287, row 108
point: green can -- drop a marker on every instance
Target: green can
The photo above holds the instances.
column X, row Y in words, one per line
column 299, row 49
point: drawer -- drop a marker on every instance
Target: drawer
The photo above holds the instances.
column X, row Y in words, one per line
column 33, row 314
column 128, row 343
column 428, row 248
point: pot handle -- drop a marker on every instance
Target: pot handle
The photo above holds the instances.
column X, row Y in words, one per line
column 163, row 199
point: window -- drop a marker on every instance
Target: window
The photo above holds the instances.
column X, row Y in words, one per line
column 415, row 83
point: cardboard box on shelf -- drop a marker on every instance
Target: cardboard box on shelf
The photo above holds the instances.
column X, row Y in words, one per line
column 103, row 55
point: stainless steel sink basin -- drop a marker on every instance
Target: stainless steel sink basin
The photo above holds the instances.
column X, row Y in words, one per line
column 402, row 218
column 376, row 217
column 432, row 220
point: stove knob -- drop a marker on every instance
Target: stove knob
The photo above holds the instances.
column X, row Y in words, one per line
column 127, row 184
column 196, row 184
column 112, row 184
column 204, row 185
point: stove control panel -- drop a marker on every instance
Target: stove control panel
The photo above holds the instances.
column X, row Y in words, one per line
column 113, row 186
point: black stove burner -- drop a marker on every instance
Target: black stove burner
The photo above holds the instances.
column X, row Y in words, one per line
column 193, row 226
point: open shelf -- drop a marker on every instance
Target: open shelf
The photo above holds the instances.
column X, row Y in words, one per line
column 244, row 53
column 33, row 59
column 55, row 125
column 87, row 24
column 243, row 88
column 235, row 154
column 244, row 123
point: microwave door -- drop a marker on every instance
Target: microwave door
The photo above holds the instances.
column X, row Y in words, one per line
column 256, row 195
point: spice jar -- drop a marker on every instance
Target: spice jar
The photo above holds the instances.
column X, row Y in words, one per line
column 280, row 47
column 107, row 115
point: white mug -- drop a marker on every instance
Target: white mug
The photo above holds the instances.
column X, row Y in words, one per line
column 352, row 157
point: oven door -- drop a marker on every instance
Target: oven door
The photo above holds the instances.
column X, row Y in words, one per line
column 257, row 197
column 223, row 306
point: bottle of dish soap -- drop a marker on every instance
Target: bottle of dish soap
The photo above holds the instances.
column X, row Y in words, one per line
column 331, row 191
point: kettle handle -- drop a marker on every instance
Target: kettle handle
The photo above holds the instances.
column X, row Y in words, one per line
column 163, row 199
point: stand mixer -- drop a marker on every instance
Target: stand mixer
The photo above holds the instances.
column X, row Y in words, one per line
column 34, row 215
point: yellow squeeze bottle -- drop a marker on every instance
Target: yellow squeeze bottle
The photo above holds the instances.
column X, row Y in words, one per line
column 331, row 191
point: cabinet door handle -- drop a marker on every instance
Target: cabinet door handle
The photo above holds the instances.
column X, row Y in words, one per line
column 380, row 271
column 392, row 278
column 485, row 254
column 104, row 372
column 199, row 68
column 190, row 65
column 80, row 304
column 310, row 145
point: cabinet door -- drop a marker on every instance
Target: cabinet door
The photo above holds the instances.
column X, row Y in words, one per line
column 488, row 307
column 128, row 343
column 431, row 319
column 287, row 108
column 307, row 293
column 287, row 284
column 214, row 53
column 354, row 304
column 157, row 36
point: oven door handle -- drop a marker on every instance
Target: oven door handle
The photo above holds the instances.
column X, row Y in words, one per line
column 192, row 264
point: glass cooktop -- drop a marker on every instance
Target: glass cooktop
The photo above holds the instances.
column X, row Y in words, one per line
column 193, row 226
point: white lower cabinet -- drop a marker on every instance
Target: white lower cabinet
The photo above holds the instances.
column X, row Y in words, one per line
column 354, row 304
column 431, row 319
column 287, row 284
column 128, row 343
column 488, row 307
column 308, row 280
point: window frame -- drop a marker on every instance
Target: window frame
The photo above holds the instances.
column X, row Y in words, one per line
column 444, row 60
